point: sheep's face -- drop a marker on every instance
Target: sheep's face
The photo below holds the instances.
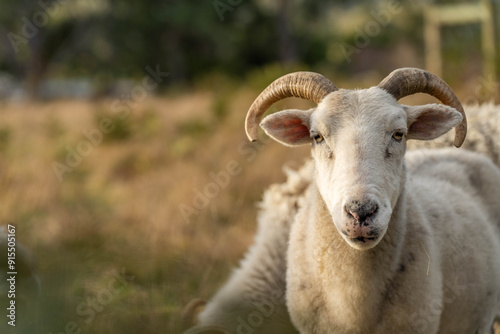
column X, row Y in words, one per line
column 358, row 144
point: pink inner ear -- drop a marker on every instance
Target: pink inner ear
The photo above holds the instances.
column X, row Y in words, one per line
column 288, row 127
column 432, row 121
column 295, row 130
column 285, row 123
column 432, row 117
column 421, row 127
column 427, row 123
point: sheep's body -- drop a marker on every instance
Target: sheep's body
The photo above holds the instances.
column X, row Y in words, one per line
column 253, row 299
column 277, row 210
column 436, row 269
column 383, row 245
column 336, row 289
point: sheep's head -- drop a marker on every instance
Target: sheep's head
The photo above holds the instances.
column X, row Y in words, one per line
column 358, row 140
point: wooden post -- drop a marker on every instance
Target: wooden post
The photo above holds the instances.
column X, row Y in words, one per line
column 488, row 43
column 436, row 16
column 432, row 37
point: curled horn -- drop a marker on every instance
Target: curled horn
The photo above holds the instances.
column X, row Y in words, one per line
column 306, row 85
column 408, row 81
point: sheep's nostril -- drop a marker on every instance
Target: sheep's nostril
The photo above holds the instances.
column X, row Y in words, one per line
column 361, row 211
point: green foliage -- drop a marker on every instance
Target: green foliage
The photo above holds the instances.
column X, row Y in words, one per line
column 5, row 135
column 220, row 107
column 130, row 166
column 191, row 39
column 147, row 124
column 223, row 86
column 461, row 45
column 258, row 79
column 120, row 126
column 186, row 38
column 193, row 128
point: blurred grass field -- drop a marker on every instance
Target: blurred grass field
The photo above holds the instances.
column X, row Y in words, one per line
column 117, row 212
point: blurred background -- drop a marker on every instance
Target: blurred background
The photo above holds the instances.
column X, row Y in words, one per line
column 124, row 166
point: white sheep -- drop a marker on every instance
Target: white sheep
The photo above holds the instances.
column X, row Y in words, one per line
column 386, row 244
column 253, row 299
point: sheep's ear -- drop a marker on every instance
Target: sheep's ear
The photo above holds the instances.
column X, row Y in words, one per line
column 431, row 120
column 289, row 127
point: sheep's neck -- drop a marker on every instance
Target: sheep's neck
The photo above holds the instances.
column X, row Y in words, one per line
column 357, row 276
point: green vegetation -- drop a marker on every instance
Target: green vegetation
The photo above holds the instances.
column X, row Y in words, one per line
column 107, row 40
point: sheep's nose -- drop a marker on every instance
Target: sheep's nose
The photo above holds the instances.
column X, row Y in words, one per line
column 361, row 211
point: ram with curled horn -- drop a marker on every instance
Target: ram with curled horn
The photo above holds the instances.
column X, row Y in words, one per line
column 387, row 241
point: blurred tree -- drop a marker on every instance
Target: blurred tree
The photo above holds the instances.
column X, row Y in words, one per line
column 32, row 33
column 118, row 38
column 109, row 39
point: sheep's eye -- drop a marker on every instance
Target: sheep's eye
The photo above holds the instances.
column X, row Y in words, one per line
column 318, row 138
column 398, row 135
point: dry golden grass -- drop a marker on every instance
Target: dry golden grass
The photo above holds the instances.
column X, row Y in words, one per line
column 117, row 212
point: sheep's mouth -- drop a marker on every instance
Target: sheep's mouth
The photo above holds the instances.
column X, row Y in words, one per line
column 363, row 243
column 363, row 239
